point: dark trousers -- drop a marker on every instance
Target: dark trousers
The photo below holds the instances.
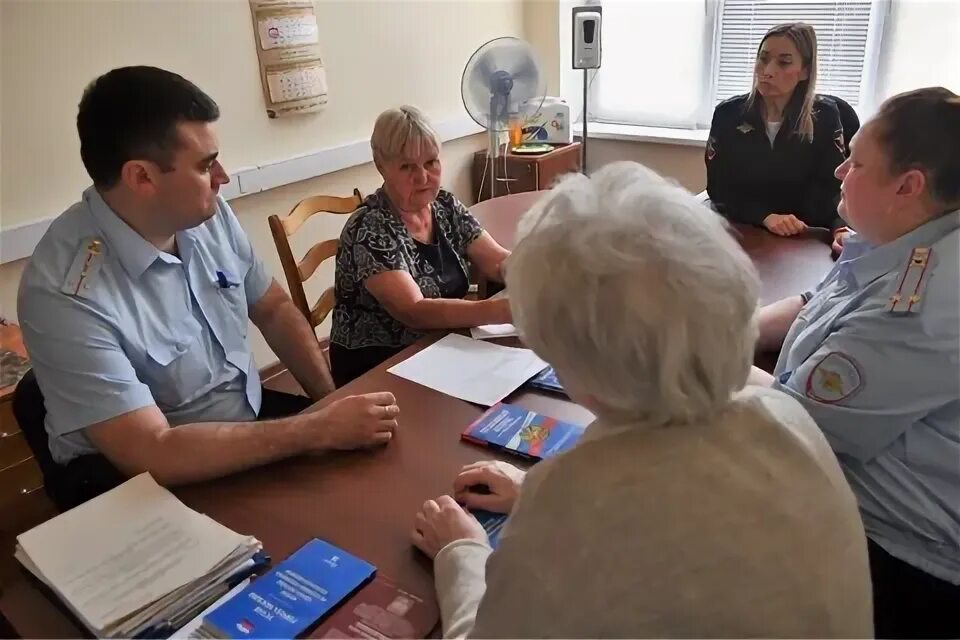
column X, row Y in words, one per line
column 910, row 603
column 346, row 365
column 88, row 476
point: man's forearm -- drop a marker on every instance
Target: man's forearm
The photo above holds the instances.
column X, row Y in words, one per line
column 202, row 451
column 293, row 340
column 774, row 321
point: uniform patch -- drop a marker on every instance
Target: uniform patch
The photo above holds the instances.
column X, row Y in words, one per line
column 85, row 267
column 839, row 142
column 835, row 378
column 711, row 148
column 746, row 127
column 909, row 293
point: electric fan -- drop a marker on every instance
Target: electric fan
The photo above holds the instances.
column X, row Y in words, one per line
column 501, row 81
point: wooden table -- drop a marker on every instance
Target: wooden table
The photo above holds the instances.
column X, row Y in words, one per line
column 787, row 266
column 365, row 501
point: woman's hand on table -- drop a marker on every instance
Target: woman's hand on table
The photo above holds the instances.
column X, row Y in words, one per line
column 490, row 485
column 442, row 521
column 784, row 224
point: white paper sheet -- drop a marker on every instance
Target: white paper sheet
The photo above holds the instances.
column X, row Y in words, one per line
column 489, row 331
column 472, row 370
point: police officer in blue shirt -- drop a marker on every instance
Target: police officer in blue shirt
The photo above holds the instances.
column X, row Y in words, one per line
column 874, row 356
column 135, row 304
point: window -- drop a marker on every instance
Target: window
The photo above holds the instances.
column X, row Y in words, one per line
column 842, row 30
column 648, row 79
column 645, row 78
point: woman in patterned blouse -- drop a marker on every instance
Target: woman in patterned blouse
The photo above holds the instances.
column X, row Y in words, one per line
column 402, row 262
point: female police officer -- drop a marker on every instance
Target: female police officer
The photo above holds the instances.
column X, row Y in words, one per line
column 872, row 354
column 771, row 153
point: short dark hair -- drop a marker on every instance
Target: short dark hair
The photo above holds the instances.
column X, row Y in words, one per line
column 919, row 130
column 132, row 113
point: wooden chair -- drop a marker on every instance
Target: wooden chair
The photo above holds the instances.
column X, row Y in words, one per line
column 299, row 272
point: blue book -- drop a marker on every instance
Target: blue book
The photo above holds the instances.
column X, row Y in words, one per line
column 527, row 433
column 492, row 524
column 547, row 380
column 292, row 596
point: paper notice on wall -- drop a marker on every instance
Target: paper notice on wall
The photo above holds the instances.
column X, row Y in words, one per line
column 288, row 47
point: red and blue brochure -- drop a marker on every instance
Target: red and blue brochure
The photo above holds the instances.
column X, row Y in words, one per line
column 492, row 523
column 547, row 380
column 527, row 433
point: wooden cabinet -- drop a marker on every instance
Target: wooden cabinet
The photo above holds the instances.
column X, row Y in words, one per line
column 516, row 173
column 21, row 481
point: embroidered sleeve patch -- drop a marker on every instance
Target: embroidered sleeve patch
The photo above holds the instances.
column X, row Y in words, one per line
column 835, row 378
column 839, row 142
column 711, row 148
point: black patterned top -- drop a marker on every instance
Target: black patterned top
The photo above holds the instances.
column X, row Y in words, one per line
column 375, row 240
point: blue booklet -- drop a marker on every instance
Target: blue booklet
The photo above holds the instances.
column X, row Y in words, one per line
column 527, row 433
column 547, row 380
column 292, row 596
column 492, row 524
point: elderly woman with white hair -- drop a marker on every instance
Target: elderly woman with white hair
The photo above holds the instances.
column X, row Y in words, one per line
column 692, row 506
column 403, row 256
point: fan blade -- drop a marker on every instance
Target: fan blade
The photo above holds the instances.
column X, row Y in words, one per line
column 485, row 66
column 512, row 56
column 526, row 69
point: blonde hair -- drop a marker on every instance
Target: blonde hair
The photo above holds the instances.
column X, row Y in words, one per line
column 657, row 325
column 401, row 132
column 804, row 38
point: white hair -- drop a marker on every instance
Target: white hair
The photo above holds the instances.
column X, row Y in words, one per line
column 400, row 132
column 637, row 294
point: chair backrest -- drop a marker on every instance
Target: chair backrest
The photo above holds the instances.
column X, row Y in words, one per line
column 299, row 272
column 30, row 412
column 848, row 120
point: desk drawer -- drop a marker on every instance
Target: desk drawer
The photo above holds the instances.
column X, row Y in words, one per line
column 13, row 450
column 8, row 424
column 18, row 481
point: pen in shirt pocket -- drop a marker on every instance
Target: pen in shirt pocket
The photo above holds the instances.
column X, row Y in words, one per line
column 224, row 282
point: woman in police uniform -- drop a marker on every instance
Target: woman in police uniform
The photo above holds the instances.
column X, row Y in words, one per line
column 874, row 356
column 772, row 153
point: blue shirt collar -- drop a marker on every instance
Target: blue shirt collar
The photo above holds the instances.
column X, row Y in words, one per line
column 135, row 254
column 865, row 262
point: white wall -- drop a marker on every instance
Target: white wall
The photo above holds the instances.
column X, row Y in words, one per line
column 541, row 28
column 921, row 47
column 377, row 53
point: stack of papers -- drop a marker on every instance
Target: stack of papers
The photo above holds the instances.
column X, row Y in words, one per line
column 136, row 560
column 490, row 331
column 472, row 370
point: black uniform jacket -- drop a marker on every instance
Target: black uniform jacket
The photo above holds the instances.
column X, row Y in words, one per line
column 748, row 178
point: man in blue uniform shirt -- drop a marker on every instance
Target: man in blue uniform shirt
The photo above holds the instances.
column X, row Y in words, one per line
column 135, row 304
column 874, row 356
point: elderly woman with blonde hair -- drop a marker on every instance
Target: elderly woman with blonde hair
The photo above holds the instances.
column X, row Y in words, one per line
column 692, row 506
column 402, row 265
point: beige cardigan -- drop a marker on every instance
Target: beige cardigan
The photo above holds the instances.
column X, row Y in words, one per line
column 740, row 528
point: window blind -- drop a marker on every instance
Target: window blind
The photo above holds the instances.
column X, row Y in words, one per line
column 841, row 26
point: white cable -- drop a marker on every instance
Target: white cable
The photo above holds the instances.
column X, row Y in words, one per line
column 483, row 176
